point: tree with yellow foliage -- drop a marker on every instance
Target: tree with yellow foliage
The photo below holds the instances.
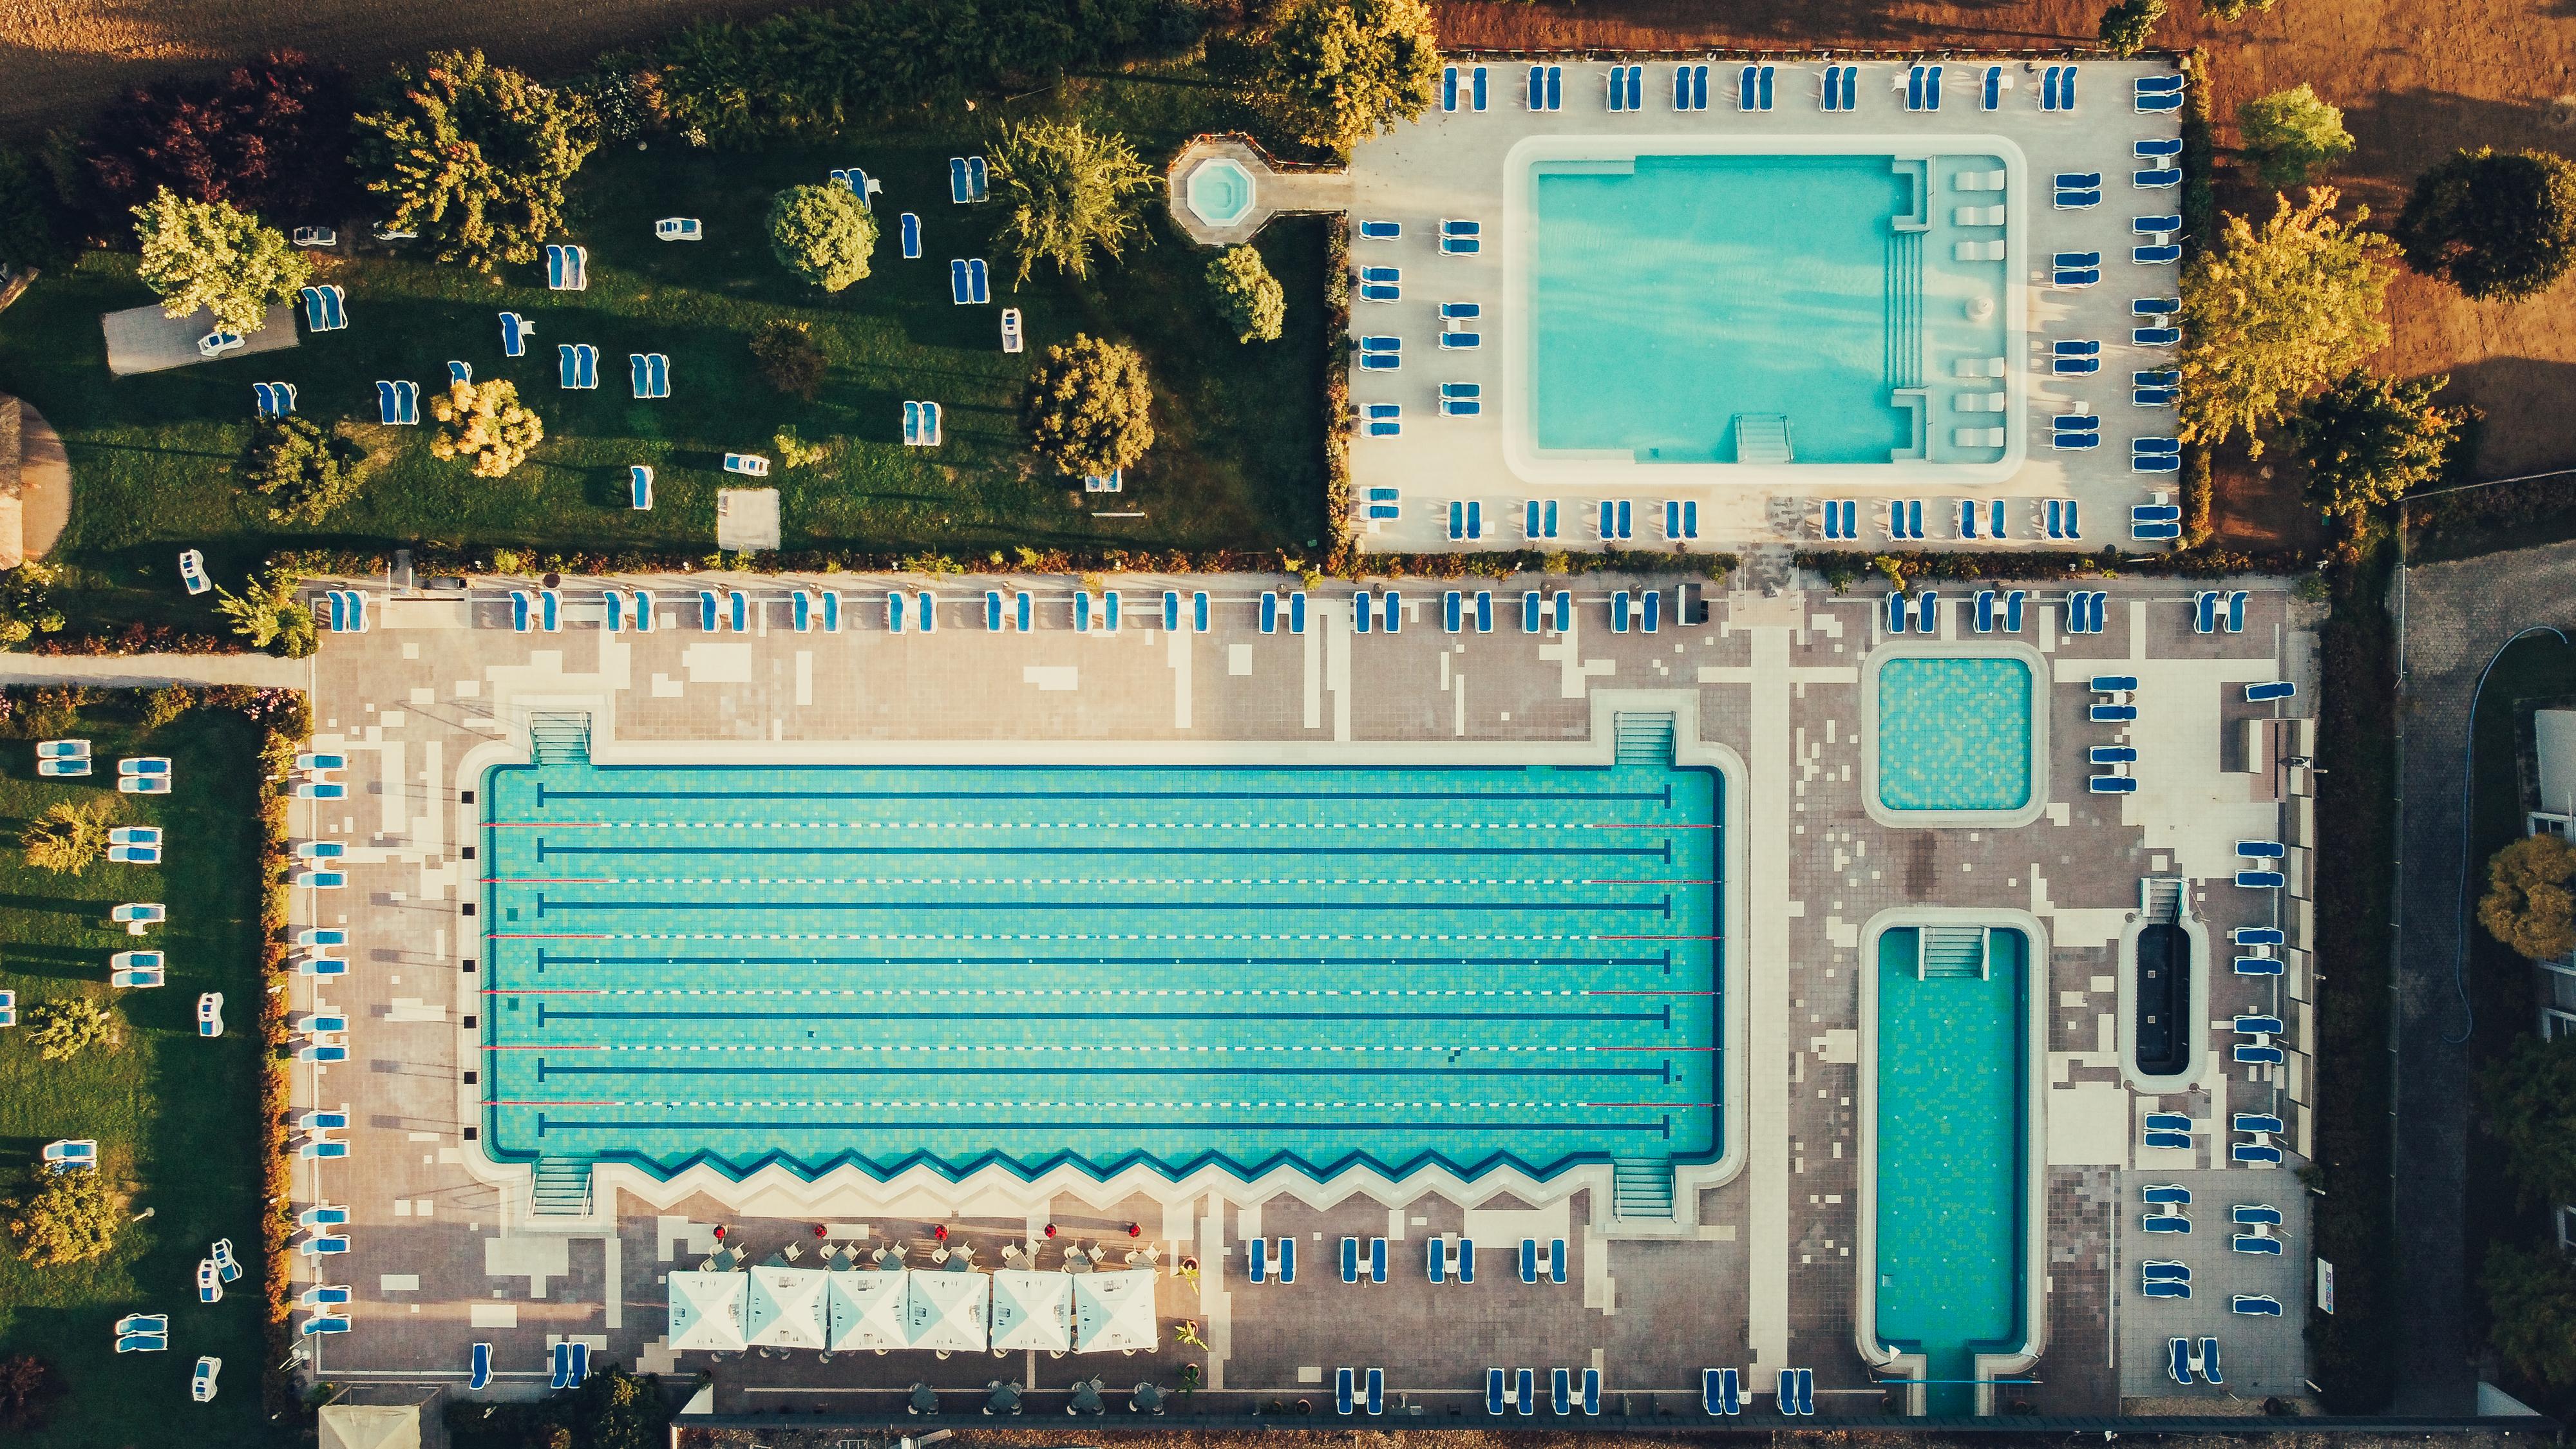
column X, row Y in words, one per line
column 2272, row 313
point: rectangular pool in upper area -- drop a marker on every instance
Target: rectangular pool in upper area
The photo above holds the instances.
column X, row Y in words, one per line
column 1951, row 1144
column 1954, row 734
column 1316, row 967
column 1780, row 309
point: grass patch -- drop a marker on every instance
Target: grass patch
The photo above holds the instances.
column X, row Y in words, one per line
column 176, row 1116
column 1238, row 462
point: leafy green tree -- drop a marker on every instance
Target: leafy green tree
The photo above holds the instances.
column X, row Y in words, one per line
column 485, row 424
column 206, row 254
column 1071, row 190
column 1254, row 303
column 33, row 229
column 2368, row 439
column 2269, row 315
column 267, row 613
column 71, row 1217
column 789, row 358
column 2530, row 904
column 2234, row 9
column 2290, row 133
column 823, row 234
column 2531, row 1305
column 2528, row 1100
column 1086, row 407
column 303, row 469
column 473, row 156
column 1343, row 70
column 69, row 837
column 2129, row 24
column 69, row 1025
column 2498, row 224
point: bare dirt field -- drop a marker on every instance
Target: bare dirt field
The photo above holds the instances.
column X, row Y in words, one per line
column 64, row 58
column 2417, row 80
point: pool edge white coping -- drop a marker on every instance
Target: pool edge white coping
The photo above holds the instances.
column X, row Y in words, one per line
column 2035, row 969
column 2013, row 819
column 1001, row 1191
column 1521, row 454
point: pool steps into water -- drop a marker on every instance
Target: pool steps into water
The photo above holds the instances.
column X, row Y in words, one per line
column 1904, row 310
column 1953, row 953
column 1644, row 739
column 559, row 739
column 561, row 1187
column 1641, row 1187
column 1761, row 438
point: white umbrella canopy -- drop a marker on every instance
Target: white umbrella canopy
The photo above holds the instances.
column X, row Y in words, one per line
column 707, row 1310
column 865, row 1310
column 785, row 1308
column 947, row 1310
column 1032, row 1310
column 1114, row 1312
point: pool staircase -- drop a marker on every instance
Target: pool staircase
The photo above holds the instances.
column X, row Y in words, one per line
column 2160, row 899
column 1762, row 438
column 1904, row 310
column 562, row 1188
column 559, row 739
column 1644, row 739
column 1951, row 953
column 1641, row 1187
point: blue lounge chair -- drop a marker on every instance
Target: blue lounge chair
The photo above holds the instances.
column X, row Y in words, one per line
column 2255, row 1214
column 1619, row 610
column 2163, row 1193
column 478, row 1374
column 909, row 227
column 515, row 332
column 1494, row 1376
column 1898, row 611
column 1560, row 1391
column 1530, row 611
column 2255, row 1305
column 2156, row 336
column 1257, row 1261
column 1564, row 605
column 1484, row 611
column 2264, row 693
column 561, row 1366
column 1435, row 1260
column 926, row 611
column 1525, row 1391
column 1287, row 1260
column 1377, row 1246
column 1449, row 609
column 1199, row 612
column 2178, row 1360
column 1529, row 1260
column 1362, row 606
column 2112, row 784
column 1350, row 1260
column 567, row 269
column 2236, row 612
column 1465, row 1259
column 1345, row 1394
column 1556, row 1260
column 1376, row 1379
column 2167, row 1223
column 2057, row 88
column 2209, row 1368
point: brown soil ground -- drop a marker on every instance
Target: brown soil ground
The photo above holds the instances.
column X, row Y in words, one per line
column 2417, row 80
column 64, row 58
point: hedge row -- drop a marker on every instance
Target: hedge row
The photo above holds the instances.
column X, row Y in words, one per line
column 1343, row 564
column 1906, row 569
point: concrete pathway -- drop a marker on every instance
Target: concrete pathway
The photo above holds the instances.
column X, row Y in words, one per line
column 2455, row 616
column 156, row 669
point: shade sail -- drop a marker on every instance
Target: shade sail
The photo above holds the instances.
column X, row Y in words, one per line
column 1113, row 1312
column 707, row 1310
column 1032, row 1310
column 785, row 1308
column 947, row 1310
column 864, row 1310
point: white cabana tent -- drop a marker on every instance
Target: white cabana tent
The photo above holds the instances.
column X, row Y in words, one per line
column 1113, row 1312
column 1032, row 1310
column 863, row 1308
column 948, row 1311
column 707, row 1310
column 785, row 1308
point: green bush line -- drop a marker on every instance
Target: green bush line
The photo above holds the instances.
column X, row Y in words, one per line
column 324, row 564
column 2199, row 228
column 2351, row 1351
column 2049, row 567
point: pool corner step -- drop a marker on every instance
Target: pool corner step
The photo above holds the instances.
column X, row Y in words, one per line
column 1762, row 438
column 561, row 1188
column 1643, row 739
column 1641, row 1187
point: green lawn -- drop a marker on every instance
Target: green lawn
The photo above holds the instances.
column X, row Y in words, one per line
column 1238, row 463
column 175, row 1115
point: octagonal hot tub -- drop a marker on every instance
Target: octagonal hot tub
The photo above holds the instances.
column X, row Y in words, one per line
column 1220, row 191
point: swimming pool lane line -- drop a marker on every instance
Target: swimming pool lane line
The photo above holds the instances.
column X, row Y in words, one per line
column 546, row 792
column 545, row 958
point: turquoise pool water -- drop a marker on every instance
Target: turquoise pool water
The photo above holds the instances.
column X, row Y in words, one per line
column 1672, row 296
column 1951, row 1141
column 959, row 966
column 1953, row 733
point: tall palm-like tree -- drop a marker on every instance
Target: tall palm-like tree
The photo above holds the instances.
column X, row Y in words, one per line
column 1072, row 190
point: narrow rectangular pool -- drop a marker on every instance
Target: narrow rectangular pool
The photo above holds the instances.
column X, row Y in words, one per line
column 1025, row 966
column 1951, row 1147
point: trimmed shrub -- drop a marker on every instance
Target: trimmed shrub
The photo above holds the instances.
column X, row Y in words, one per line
column 1086, row 407
column 33, row 231
column 789, row 358
column 66, row 1026
column 69, row 837
column 268, row 615
column 823, row 234
column 1250, row 299
column 2530, row 904
column 69, row 1218
column 2493, row 223
column 303, row 471
column 486, row 424
column 2290, row 133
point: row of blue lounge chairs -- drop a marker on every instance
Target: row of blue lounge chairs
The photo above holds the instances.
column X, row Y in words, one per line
column 1470, row 88
column 1517, row 1388
column 1989, row 611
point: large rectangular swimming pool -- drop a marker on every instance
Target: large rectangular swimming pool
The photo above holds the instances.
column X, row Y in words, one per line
column 1029, row 966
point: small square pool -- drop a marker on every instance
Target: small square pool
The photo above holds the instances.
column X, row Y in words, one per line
column 1954, row 737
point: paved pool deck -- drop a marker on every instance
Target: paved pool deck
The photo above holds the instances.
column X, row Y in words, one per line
column 1753, row 1268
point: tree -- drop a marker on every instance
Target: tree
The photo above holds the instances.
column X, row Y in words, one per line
column 206, row 254
column 2368, row 439
column 69, row 1025
column 2531, row 1303
column 29, row 1389
column 267, row 613
column 1086, row 407
column 1254, row 303
column 70, row 1218
column 1343, row 70
column 2528, row 1100
column 303, row 470
column 69, row 837
column 271, row 135
column 32, row 229
column 789, row 358
column 2234, row 9
column 2529, row 903
column 2290, row 133
column 1070, row 189
column 2129, row 24
column 473, row 156
column 823, row 234
column 2498, row 224
column 2269, row 315
column 486, row 423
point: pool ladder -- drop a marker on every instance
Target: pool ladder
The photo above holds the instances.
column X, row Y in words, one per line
column 1951, row 953
column 561, row 1187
